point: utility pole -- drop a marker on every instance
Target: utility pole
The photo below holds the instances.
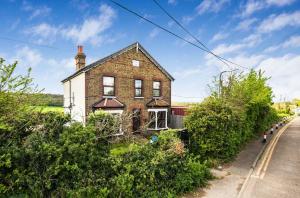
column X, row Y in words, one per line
column 221, row 81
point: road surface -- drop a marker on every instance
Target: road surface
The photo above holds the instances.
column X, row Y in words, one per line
column 278, row 172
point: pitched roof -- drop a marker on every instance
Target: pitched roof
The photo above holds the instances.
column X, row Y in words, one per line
column 108, row 103
column 101, row 61
column 157, row 102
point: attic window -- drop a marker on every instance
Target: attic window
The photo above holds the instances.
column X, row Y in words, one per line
column 135, row 63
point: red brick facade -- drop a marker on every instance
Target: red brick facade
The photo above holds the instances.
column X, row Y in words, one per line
column 121, row 68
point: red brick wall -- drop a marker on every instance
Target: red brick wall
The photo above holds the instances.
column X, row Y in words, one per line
column 124, row 72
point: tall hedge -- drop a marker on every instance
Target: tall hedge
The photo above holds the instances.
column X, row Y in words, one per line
column 221, row 124
column 41, row 156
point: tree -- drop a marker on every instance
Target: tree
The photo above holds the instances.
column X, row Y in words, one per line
column 14, row 92
column 229, row 117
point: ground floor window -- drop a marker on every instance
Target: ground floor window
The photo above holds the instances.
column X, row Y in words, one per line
column 158, row 119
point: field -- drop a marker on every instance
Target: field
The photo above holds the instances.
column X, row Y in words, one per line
column 49, row 108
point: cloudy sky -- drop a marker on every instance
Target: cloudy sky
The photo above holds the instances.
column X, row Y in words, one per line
column 253, row 33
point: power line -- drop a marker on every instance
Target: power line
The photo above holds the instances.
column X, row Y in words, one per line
column 195, row 38
column 166, row 30
column 159, row 26
column 188, row 32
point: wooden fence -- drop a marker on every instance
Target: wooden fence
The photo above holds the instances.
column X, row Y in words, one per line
column 176, row 121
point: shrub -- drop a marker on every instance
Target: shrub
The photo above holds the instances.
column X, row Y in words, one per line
column 157, row 170
column 105, row 124
column 51, row 159
column 221, row 124
column 215, row 130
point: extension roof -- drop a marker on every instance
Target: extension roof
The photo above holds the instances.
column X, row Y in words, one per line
column 157, row 102
column 108, row 103
column 103, row 60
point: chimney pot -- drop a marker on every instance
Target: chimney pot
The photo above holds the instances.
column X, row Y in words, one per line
column 80, row 58
column 80, row 49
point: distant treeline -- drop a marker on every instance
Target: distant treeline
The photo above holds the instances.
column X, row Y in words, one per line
column 49, row 99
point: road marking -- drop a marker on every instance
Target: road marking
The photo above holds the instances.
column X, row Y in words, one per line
column 250, row 174
column 269, row 152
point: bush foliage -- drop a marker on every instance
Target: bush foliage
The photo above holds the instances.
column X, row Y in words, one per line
column 221, row 124
column 49, row 159
column 43, row 154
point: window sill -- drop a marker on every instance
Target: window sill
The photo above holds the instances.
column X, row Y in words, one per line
column 139, row 97
column 159, row 129
column 117, row 134
column 109, row 96
column 157, row 97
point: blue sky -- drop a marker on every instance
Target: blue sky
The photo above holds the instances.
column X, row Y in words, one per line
column 262, row 34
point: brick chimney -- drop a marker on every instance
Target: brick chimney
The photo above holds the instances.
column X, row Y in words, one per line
column 79, row 58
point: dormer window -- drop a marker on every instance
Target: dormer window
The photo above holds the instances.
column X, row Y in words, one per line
column 135, row 63
column 108, row 86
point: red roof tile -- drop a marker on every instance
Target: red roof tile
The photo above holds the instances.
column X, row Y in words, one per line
column 108, row 103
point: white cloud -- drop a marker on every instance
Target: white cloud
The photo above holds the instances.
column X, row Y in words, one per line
column 41, row 11
column 211, row 6
column 154, row 32
column 234, row 52
column 277, row 22
column 279, row 2
column 81, row 5
column 228, row 48
column 249, row 61
column 252, row 6
column 172, row 2
column 28, row 57
column 271, row 49
column 187, row 19
column 68, row 63
column 171, row 23
column 284, row 72
column 15, row 24
column 220, row 36
column 246, row 24
column 188, row 72
column 44, row 33
column 92, row 28
column 205, row 6
column 293, row 41
column 46, row 72
column 252, row 40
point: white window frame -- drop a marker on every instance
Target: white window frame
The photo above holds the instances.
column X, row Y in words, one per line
column 135, row 63
column 166, row 121
column 116, row 111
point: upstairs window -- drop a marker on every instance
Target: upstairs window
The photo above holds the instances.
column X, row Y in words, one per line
column 156, row 88
column 138, row 85
column 108, row 86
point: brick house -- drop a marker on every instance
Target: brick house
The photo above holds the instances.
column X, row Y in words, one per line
column 129, row 80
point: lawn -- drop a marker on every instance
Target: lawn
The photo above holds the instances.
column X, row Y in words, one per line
column 121, row 148
column 49, row 108
column 124, row 147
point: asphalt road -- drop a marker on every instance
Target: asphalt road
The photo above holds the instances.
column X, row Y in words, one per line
column 281, row 177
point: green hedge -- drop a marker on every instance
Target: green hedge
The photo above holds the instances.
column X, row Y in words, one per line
column 41, row 156
column 222, row 124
